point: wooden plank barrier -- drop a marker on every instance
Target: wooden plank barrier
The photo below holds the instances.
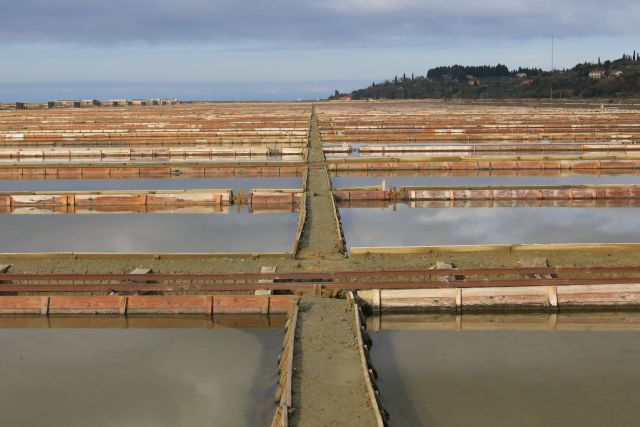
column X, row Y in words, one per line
column 147, row 304
column 82, row 199
column 365, row 361
column 525, row 192
column 530, row 298
column 283, row 395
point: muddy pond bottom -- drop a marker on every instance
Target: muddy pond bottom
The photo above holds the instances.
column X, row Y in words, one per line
column 234, row 230
column 508, row 378
column 138, row 377
column 405, row 226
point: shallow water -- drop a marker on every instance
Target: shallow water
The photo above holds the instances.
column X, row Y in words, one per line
column 234, row 184
column 138, row 377
column 462, row 181
column 508, row 378
column 403, row 226
column 237, row 231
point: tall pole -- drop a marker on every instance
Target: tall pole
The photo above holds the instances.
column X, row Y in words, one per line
column 552, row 65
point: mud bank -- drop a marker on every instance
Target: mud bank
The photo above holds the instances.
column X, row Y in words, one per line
column 328, row 385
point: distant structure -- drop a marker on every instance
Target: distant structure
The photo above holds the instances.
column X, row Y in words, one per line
column 616, row 73
column 473, row 80
column 92, row 103
column 521, row 75
column 597, row 74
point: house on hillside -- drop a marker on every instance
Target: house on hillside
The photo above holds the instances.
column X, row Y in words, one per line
column 615, row 73
column 521, row 75
column 472, row 80
column 596, row 74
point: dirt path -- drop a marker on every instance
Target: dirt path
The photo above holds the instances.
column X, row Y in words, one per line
column 328, row 384
column 320, row 238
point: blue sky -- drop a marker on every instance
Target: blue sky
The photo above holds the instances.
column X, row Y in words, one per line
column 285, row 49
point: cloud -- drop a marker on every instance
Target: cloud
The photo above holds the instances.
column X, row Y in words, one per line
column 285, row 23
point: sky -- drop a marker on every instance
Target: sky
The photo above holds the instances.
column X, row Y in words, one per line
column 286, row 49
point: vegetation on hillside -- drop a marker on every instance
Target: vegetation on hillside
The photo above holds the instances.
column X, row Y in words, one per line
column 610, row 79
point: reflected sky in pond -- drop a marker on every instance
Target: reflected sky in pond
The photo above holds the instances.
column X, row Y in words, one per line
column 436, row 181
column 485, row 225
column 234, row 184
column 237, row 231
column 138, row 377
column 499, row 378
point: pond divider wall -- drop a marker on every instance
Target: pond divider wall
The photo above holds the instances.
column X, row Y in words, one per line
column 534, row 298
column 363, row 342
column 527, row 192
column 484, row 163
column 151, row 170
column 262, row 197
column 302, row 217
column 147, row 304
column 60, row 154
column 283, row 396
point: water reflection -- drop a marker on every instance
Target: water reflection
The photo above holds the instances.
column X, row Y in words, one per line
column 234, row 184
column 138, row 377
column 403, row 226
column 478, row 181
column 507, row 378
column 239, row 231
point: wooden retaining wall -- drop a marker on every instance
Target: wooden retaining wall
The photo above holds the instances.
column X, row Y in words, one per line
column 505, row 248
column 522, row 192
column 152, row 170
column 535, row 298
column 363, row 342
column 147, row 304
column 283, row 396
column 61, row 154
column 148, row 198
column 483, row 163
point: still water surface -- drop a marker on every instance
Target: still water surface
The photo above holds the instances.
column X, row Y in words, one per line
column 237, row 231
column 234, row 184
column 138, row 377
column 508, row 378
column 466, row 181
column 404, row 226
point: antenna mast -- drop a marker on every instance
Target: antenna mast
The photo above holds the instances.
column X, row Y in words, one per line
column 552, row 65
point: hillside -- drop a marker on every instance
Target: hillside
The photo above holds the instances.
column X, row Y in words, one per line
column 611, row 79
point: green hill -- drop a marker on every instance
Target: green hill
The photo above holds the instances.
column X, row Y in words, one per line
column 611, row 79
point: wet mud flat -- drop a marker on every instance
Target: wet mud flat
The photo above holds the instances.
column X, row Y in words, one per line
column 152, row 376
column 494, row 377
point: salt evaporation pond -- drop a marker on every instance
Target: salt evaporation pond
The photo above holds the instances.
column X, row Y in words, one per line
column 235, row 231
column 508, row 378
column 480, row 181
column 234, row 184
column 138, row 377
column 404, row 226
